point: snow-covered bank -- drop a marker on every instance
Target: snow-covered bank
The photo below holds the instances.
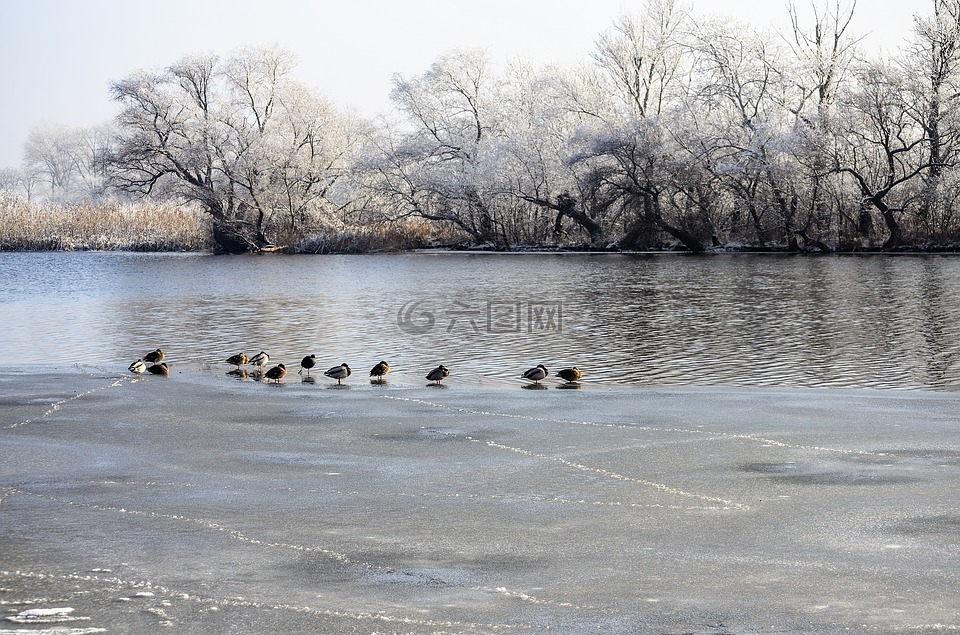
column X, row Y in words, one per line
column 407, row 509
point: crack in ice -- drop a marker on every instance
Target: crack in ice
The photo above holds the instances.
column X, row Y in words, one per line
column 54, row 407
column 723, row 503
column 627, row 426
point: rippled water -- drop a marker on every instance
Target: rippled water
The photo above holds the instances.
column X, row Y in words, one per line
column 865, row 321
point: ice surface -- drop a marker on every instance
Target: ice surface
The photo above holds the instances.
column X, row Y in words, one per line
column 241, row 506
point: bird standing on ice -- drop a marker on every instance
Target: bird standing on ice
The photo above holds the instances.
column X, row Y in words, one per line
column 380, row 370
column 536, row 374
column 438, row 374
column 307, row 363
column 154, row 357
column 260, row 360
column 238, row 360
column 339, row 373
column 137, row 367
column 277, row 373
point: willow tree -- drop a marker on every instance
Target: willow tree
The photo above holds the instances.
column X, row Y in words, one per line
column 545, row 107
column 629, row 155
column 932, row 60
column 437, row 166
column 822, row 50
column 68, row 162
column 880, row 144
column 747, row 131
column 257, row 150
column 641, row 55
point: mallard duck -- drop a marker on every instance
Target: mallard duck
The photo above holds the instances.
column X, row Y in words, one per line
column 307, row 363
column 438, row 374
column 153, row 357
column 536, row 374
column 238, row 360
column 276, row 373
column 159, row 369
column 380, row 370
column 339, row 373
column 570, row 374
column 260, row 360
column 137, row 367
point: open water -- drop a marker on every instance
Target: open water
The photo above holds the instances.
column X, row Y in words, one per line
column 744, row 320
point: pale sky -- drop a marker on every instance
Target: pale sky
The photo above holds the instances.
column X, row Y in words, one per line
column 58, row 57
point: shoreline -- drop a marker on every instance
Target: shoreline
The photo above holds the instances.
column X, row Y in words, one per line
column 721, row 250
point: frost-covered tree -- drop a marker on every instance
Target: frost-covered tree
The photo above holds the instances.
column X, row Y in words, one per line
column 932, row 61
column 745, row 136
column 880, row 145
column 634, row 171
column 641, row 56
column 70, row 162
column 238, row 135
column 628, row 155
column 438, row 163
column 822, row 52
column 544, row 108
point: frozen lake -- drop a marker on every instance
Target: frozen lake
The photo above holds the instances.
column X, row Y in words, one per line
column 170, row 504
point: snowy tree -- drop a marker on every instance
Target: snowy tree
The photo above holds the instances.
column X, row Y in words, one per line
column 256, row 149
column 746, row 136
column 438, row 167
column 641, row 56
column 932, row 61
column 880, row 144
column 545, row 107
column 633, row 169
column 822, row 52
column 69, row 161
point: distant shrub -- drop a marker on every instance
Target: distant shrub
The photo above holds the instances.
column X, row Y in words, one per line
column 397, row 235
column 107, row 226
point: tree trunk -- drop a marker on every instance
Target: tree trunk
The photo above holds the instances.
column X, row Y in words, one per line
column 226, row 238
column 652, row 215
column 688, row 240
column 893, row 226
column 651, row 205
column 567, row 206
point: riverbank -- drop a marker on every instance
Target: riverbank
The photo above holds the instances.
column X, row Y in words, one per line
column 113, row 226
column 210, row 505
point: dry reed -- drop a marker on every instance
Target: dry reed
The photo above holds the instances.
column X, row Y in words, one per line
column 107, row 226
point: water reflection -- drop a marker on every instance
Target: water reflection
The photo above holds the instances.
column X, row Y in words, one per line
column 884, row 322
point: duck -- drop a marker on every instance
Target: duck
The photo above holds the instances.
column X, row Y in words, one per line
column 159, row 369
column 276, row 373
column 438, row 374
column 380, row 370
column 137, row 367
column 536, row 374
column 154, row 357
column 238, row 360
column 339, row 373
column 260, row 360
column 570, row 375
column 307, row 363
